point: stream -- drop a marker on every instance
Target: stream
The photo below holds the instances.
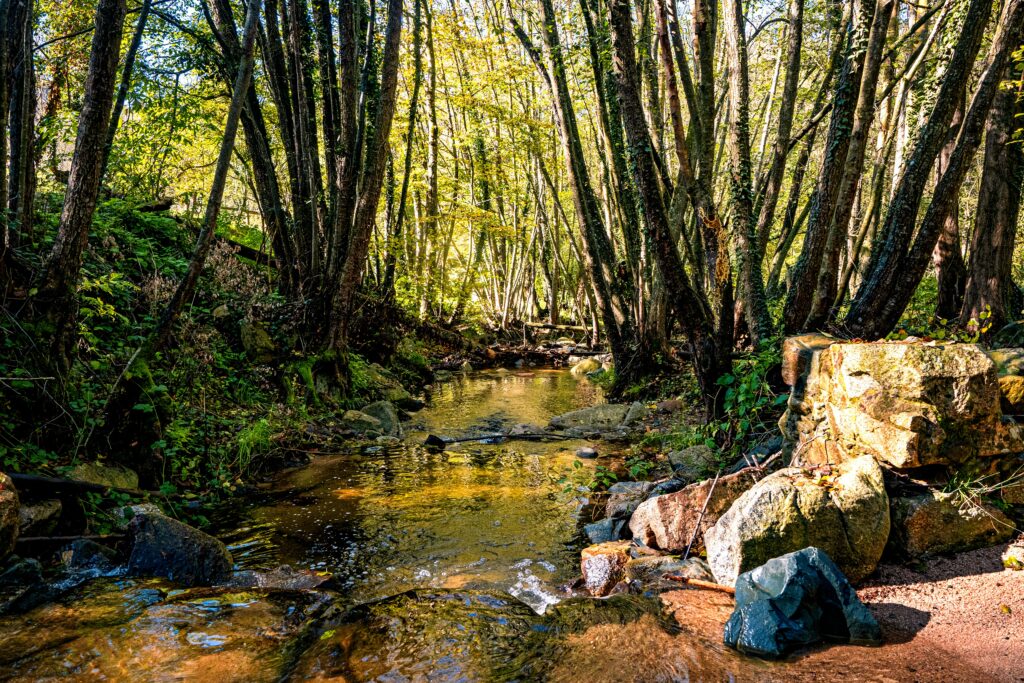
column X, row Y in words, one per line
column 446, row 565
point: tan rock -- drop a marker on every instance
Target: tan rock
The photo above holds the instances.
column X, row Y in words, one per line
column 937, row 522
column 1011, row 392
column 668, row 522
column 603, row 566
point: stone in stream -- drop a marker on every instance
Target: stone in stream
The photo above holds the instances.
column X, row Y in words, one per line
column 87, row 554
column 587, row 365
column 603, row 566
column 935, row 522
column 600, row 417
column 624, row 497
column 842, row 510
column 604, row 530
column 361, row 423
column 797, row 600
column 162, row 546
column 693, row 463
column 9, row 519
column 586, row 452
column 387, row 414
column 667, row 522
column 105, row 475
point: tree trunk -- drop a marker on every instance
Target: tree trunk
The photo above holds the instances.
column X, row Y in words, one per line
column 995, row 227
column 895, row 274
column 187, row 287
column 21, row 174
column 60, row 281
column 126, row 81
column 948, row 259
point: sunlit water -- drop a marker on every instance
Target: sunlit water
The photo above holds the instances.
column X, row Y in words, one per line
column 447, row 567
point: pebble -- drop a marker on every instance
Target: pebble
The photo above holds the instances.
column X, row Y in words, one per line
column 586, row 452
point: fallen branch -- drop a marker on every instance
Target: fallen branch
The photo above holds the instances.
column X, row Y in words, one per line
column 51, row 484
column 700, row 583
column 696, row 528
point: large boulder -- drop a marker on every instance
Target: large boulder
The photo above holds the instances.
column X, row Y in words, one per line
column 387, row 414
column 603, row 566
column 9, row 518
column 907, row 404
column 162, row 546
column 797, row 600
column 935, row 522
column 599, row 417
column 668, row 522
column 842, row 510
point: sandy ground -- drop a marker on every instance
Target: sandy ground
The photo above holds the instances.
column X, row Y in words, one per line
column 967, row 605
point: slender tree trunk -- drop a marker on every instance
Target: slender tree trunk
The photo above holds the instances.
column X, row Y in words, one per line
column 995, row 228
column 125, row 84
column 896, row 272
column 187, row 287
column 60, row 281
column 947, row 259
column 21, row 174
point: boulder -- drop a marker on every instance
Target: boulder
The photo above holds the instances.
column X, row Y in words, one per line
column 585, row 366
column 123, row 516
column 603, row 566
column 105, row 475
column 39, row 519
column 842, row 510
column 360, row 422
column 625, row 496
column 668, row 522
column 797, row 600
column 257, row 342
column 162, row 546
column 600, row 417
column 907, row 404
column 693, row 463
column 935, row 522
column 387, row 414
column 9, row 519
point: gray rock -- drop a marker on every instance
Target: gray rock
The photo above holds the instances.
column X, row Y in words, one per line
column 842, row 510
column 637, row 412
column 360, row 422
column 667, row 486
column 387, row 414
column 39, row 519
column 123, row 516
column 693, row 463
column 651, row 571
column 604, row 530
column 624, row 497
column 797, row 600
column 586, row 452
column 21, row 572
column 9, row 519
column 936, row 522
column 600, row 417
column 162, row 546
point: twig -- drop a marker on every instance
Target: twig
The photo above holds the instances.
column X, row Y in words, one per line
column 700, row 583
column 696, row 528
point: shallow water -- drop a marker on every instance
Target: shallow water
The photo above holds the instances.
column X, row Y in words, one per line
column 447, row 568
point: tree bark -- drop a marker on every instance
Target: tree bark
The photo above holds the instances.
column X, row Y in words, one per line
column 57, row 292
column 125, row 83
column 995, row 227
column 947, row 258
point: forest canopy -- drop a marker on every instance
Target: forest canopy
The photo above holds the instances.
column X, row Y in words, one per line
column 680, row 180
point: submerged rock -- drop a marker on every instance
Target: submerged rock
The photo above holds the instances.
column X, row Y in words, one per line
column 162, row 546
column 603, row 566
column 936, row 522
column 9, row 519
column 668, row 522
column 387, row 414
column 842, row 510
column 282, row 578
column 88, row 554
column 797, row 600
column 600, row 417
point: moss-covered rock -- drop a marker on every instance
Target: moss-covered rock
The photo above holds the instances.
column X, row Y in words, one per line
column 842, row 510
column 105, row 475
column 9, row 520
column 936, row 522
